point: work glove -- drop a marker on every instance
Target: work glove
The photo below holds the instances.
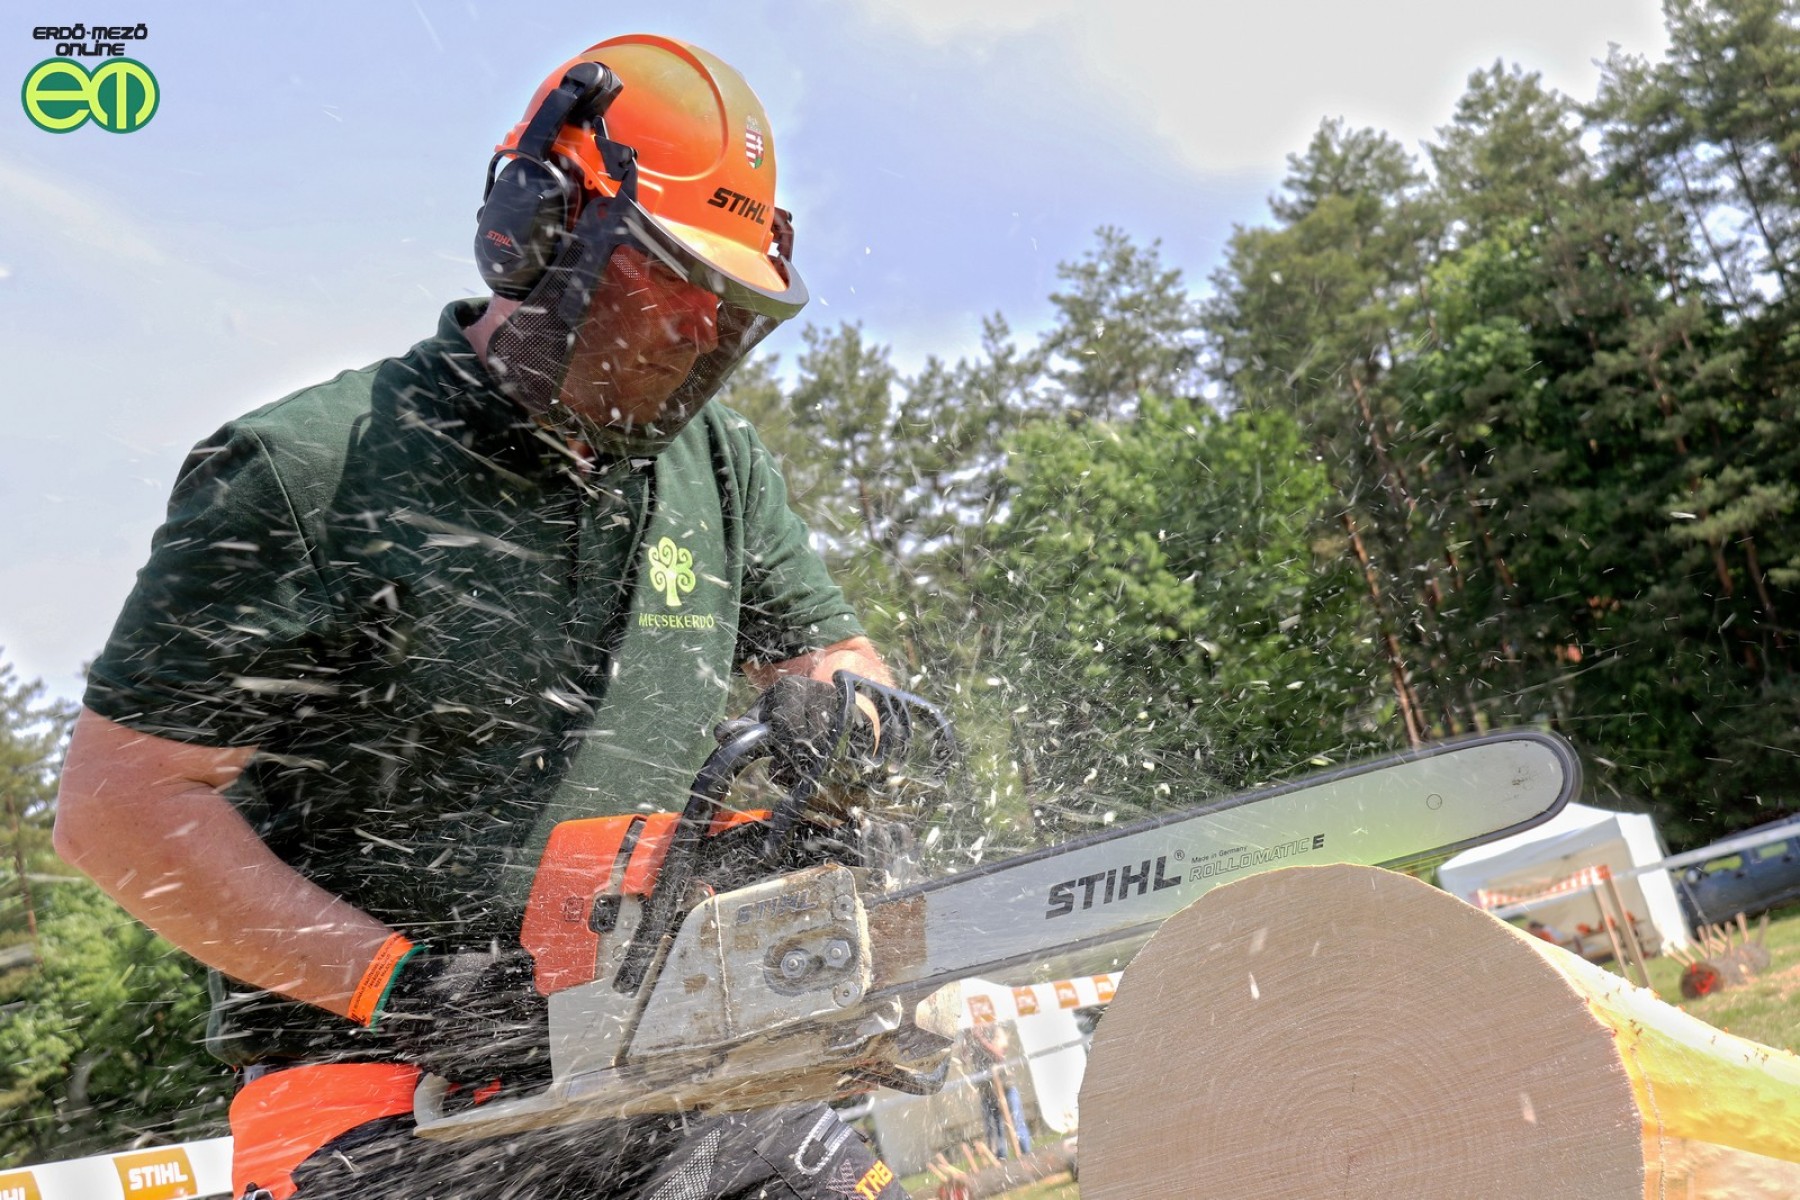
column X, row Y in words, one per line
column 799, row 712
column 471, row 1018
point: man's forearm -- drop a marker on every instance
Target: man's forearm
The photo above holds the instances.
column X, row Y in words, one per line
column 146, row 820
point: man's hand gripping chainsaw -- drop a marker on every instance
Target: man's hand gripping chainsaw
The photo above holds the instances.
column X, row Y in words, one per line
column 719, row 960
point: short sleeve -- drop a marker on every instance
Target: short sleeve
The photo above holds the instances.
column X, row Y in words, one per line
column 790, row 604
column 218, row 642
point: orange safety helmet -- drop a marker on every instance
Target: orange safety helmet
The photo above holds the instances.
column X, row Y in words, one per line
column 705, row 166
column 645, row 141
column 706, row 160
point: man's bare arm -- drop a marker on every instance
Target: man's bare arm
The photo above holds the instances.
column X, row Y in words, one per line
column 146, row 819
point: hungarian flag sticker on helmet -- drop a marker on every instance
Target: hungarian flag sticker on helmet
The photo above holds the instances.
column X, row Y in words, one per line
column 753, row 141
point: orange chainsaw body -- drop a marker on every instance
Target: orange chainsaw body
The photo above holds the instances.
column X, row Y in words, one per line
column 589, row 867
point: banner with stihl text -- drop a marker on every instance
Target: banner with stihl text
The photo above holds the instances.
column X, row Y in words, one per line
column 1009, row 1004
column 195, row 1171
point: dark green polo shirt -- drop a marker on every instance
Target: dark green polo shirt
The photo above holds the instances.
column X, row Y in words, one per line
column 444, row 633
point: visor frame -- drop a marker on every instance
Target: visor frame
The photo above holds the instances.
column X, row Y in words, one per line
column 667, row 247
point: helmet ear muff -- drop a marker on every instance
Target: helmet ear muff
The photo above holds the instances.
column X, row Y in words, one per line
column 527, row 210
column 530, row 203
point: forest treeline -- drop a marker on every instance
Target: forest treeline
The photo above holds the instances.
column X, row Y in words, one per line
column 1503, row 434
column 1498, row 434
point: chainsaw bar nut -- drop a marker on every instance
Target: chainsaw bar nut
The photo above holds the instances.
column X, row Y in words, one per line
column 795, row 963
column 837, row 953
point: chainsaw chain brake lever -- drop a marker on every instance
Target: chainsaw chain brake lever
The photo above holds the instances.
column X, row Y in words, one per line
column 743, row 741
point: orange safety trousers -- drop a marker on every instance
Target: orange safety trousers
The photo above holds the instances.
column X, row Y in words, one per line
column 281, row 1119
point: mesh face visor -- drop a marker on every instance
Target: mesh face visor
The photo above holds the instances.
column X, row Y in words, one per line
column 746, row 313
column 648, row 233
column 530, row 353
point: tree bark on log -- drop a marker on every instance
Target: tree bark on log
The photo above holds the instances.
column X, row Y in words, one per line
column 1352, row 1032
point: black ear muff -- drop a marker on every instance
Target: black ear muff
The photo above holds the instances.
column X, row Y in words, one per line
column 521, row 225
column 530, row 203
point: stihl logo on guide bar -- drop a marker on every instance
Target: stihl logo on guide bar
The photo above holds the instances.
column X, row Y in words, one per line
column 1119, row 881
column 1118, row 884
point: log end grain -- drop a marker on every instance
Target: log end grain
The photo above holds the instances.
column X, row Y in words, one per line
column 1340, row 1031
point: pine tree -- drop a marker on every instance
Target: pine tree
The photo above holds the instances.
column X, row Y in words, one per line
column 32, row 732
column 1313, row 318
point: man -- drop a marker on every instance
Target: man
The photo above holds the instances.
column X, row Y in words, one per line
column 399, row 625
column 1002, row 1113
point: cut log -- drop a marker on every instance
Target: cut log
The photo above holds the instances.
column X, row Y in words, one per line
column 1351, row 1032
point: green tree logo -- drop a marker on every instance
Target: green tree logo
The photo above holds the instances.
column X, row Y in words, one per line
column 120, row 96
column 671, row 571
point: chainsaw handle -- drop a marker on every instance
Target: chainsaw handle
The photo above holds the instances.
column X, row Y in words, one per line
column 896, row 712
column 743, row 744
column 662, row 911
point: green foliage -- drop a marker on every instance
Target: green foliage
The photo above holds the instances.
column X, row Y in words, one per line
column 1558, row 413
column 100, row 1048
column 1125, row 326
column 1521, row 429
column 100, row 1021
column 1125, row 598
column 31, row 739
column 1167, row 627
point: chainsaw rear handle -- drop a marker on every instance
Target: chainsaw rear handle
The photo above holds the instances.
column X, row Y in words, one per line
column 745, row 743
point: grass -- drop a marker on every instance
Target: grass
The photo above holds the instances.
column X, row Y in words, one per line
column 921, row 1187
column 1765, row 1009
column 1050, row 1189
column 925, row 1185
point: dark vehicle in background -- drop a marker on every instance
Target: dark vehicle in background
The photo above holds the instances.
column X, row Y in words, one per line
column 1751, row 881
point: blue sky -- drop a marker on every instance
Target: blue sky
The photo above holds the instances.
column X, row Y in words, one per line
column 303, row 200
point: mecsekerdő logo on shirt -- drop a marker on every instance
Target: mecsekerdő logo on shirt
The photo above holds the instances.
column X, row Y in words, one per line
column 671, row 571
column 672, row 575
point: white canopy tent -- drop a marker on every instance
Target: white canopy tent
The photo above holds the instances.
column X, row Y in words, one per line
column 1577, row 838
column 1047, row 1041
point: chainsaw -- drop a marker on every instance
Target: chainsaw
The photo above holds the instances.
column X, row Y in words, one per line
column 677, row 981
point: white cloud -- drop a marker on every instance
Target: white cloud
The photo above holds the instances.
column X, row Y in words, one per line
column 1236, row 87
column 941, row 20
column 82, row 220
